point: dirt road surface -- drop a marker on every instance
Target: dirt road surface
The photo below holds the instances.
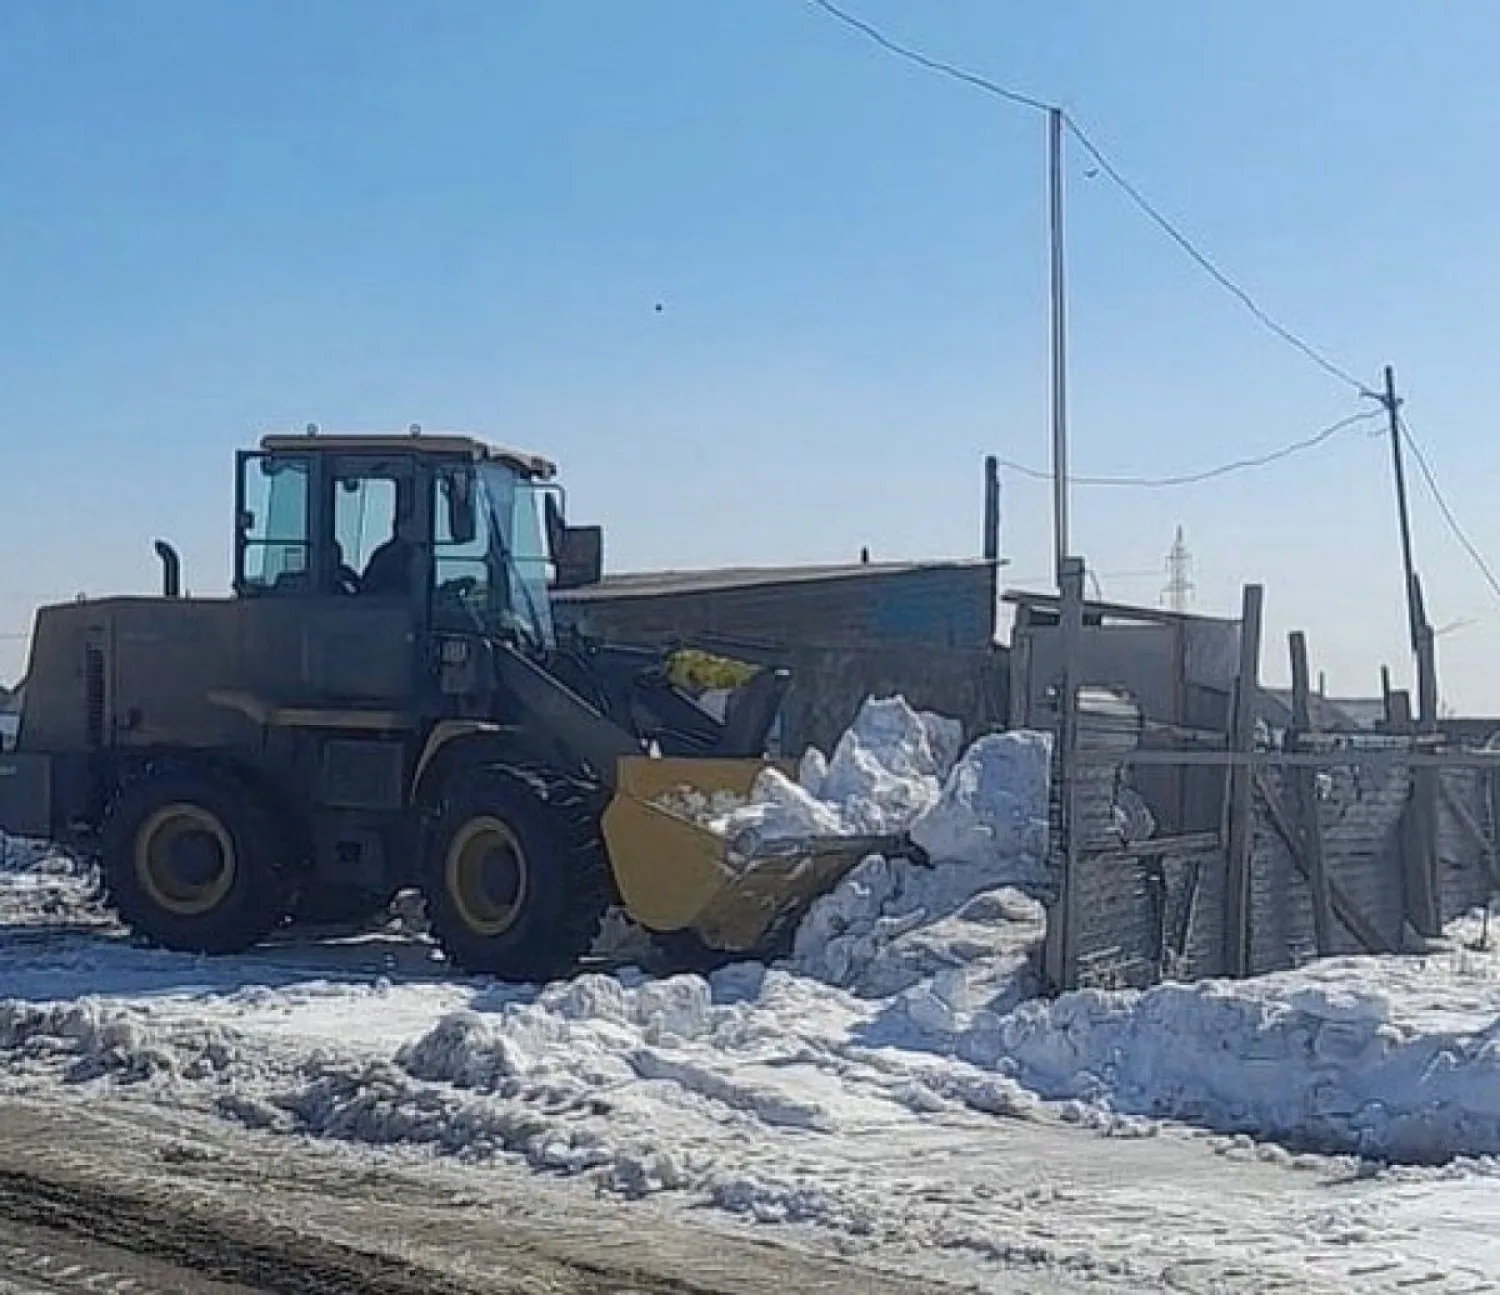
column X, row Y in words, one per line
column 47, row 1261
column 114, row 1199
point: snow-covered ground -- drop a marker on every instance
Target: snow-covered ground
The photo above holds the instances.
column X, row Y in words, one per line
column 894, row 1089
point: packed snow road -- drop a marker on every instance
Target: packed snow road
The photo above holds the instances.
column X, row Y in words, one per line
column 893, row 1095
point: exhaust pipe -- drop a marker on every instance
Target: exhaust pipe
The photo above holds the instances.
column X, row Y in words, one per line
column 171, row 570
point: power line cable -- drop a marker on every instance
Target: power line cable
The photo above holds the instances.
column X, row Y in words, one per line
column 1131, row 191
column 1203, row 261
column 873, row 33
column 1208, row 474
column 1469, row 547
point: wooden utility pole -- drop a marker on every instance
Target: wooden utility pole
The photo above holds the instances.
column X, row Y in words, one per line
column 1420, row 856
column 1403, row 510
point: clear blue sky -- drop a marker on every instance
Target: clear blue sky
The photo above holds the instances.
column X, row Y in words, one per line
column 224, row 218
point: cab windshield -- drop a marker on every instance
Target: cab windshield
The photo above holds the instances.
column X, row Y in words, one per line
column 498, row 579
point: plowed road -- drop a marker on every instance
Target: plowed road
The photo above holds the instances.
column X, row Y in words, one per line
column 40, row 1261
column 101, row 1200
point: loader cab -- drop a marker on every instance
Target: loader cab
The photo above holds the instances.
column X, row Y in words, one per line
column 459, row 533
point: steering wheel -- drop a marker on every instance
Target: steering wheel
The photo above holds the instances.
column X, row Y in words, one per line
column 346, row 580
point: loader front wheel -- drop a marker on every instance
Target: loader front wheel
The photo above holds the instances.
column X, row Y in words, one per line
column 517, row 882
column 191, row 862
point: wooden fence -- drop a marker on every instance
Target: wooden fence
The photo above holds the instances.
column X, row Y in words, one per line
column 1326, row 843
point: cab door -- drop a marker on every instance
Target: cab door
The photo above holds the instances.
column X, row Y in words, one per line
column 310, row 526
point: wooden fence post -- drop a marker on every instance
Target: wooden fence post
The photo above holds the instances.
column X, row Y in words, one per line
column 1239, row 833
column 1310, row 820
column 1060, row 944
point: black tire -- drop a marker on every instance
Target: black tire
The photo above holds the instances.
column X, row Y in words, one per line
column 516, row 878
column 191, row 862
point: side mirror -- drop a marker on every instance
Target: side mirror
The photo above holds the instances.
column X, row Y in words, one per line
column 458, row 491
column 578, row 557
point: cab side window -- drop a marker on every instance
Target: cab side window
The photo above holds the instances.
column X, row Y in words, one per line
column 461, row 567
column 275, row 547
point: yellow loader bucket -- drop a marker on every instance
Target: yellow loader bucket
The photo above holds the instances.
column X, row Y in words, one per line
column 674, row 874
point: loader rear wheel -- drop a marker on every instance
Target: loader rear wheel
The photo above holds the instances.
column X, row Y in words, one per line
column 191, row 862
column 517, row 882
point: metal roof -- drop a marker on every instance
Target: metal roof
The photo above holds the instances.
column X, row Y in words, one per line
column 1050, row 602
column 649, row 584
column 455, row 443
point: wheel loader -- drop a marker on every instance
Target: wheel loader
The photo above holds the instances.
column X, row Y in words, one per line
column 385, row 703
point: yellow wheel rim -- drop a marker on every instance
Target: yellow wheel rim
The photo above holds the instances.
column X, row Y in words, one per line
column 487, row 875
column 185, row 860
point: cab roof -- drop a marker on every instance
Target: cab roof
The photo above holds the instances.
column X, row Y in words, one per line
column 445, row 443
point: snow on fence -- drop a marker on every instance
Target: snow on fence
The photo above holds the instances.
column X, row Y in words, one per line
column 1326, row 844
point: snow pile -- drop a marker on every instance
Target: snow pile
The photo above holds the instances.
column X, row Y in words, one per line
column 993, row 807
column 892, row 923
column 980, row 814
column 733, row 1089
column 1390, row 1058
column 887, row 769
column 90, row 1039
column 17, row 855
column 42, row 887
column 780, row 809
column 635, row 1084
column 704, row 808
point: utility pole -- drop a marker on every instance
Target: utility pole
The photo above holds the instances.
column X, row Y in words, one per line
column 1059, row 342
column 1403, row 513
column 1420, row 854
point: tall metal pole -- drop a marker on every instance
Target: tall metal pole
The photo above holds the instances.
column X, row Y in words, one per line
column 1392, row 408
column 1059, row 342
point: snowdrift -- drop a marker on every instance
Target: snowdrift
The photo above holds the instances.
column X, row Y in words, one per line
column 1394, row 1059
